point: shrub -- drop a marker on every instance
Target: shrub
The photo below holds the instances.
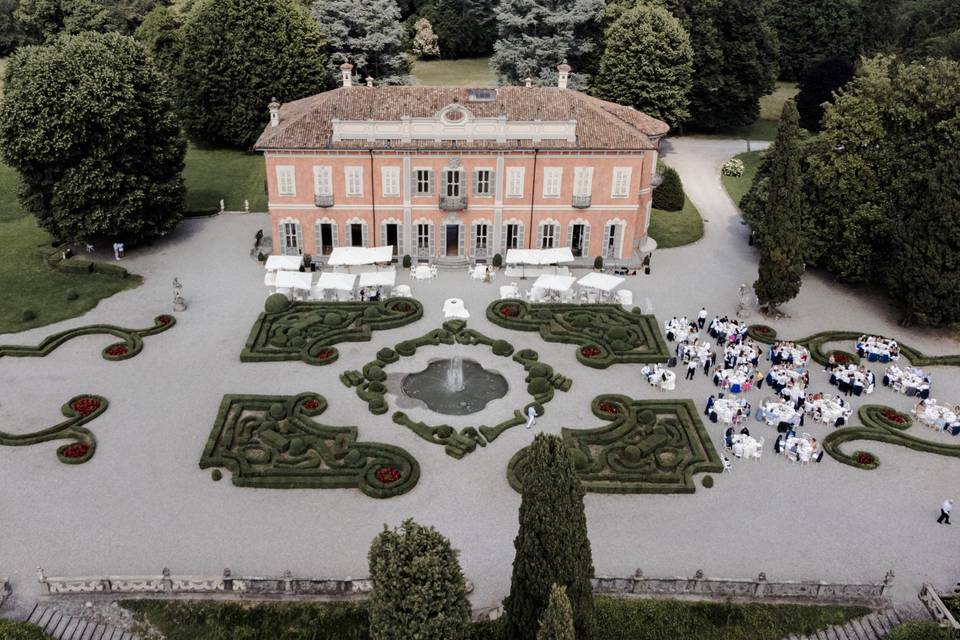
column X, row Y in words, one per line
column 29, row 315
column 261, row 257
column 75, row 266
column 707, row 482
column 418, row 587
column 216, row 475
column 501, row 348
column 276, row 303
column 374, row 373
column 387, row 355
column 108, row 269
column 15, row 630
column 538, row 386
column 332, row 319
column 733, row 168
column 72, row 294
column 497, row 260
column 407, row 261
column 669, row 195
column 920, row 630
column 598, row 262
column 371, row 312
column 557, row 622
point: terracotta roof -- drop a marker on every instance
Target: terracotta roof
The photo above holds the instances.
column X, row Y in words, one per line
column 307, row 123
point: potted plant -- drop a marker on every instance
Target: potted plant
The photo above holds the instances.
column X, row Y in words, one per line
column 497, row 261
column 598, row 263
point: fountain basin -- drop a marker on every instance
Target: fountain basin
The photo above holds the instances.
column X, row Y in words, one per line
column 441, row 389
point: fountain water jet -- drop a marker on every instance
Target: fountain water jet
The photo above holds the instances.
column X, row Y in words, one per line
column 455, row 374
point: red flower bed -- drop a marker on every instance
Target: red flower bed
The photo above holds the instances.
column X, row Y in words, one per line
column 85, row 406
column 590, row 352
column 894, row 416
column 510, row 311
column 117, row 350
column 608, row 407
column 165, row 319
column 388, row 475
column 402, row 307
column 841, row 358
column 76, row 450
column 326, row 354
column 864, row 458
column 311, row 404
column 761, row 329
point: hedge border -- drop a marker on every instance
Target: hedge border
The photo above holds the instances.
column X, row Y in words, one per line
column 131, row 340
column 347, row 463
column 456, row 444
column 356, row 327
column 609, row 472
column 70, row 429
column 877, row 429
column 557, row 328
column 816, row 341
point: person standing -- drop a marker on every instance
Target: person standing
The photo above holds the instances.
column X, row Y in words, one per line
column 702, row 317
column 531, row 416
column 691, row 369
column 945, row 510
column 116, row 250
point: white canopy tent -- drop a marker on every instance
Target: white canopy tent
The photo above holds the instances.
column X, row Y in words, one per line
column 336, row 281
column 539, row 256
column 284, row 263
column 553, row 282
column 355, row 256
column 556, row 255
column 523, row 256
column 601, row 281
column 294, row 280
column 378, row 278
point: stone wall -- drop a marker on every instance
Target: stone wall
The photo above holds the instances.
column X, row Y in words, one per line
column 931, row 600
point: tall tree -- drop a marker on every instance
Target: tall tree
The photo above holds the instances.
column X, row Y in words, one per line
column 237, row 55
column 88, row 125
column 552, row 545
column 781, row 254
column 557, row 622
column 160, row 34
column 817, row 87
column 464, row 28
column 534, row 36
column 929, row 28
column 735, row 59
column 812, row 30
column 647, row 63
column 418, row 587
column 368, row 35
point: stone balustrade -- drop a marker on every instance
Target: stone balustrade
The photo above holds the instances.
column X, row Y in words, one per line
column 934, row 604
column 757, row 589
column 169, row 584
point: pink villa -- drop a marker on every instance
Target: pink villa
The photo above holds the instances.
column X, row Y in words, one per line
column 452, row 174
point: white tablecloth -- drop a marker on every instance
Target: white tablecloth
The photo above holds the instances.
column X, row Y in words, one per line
column 907, row 378
column 454, row 308
column 745, row 446
column 744, row 352
column 509, row 291
column 799, row 448
column 660, row 377
column 826, row 409
column 679, row 327
column 936, row 415
column 402, row 291
column 776, row 412
column 422, row 272
column 726, row 409
column 739, row 376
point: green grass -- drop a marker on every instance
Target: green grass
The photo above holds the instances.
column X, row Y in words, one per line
column 214, row 174
column 738, row 187
column 468, row 72
column 771, row 106
column 617, row 619
column 676, row 228
column 27, row 282
column 765, row 127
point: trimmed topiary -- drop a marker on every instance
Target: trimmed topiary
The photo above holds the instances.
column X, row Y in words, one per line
column 276, row 303
column 501, row 348
column 216, row 475
column 78, row 411
column 669, row 195
column 407, row 261
column 387, row 355
column 707, row 482
column 28, row 315
column 762, row 333
column 598, row 263
column 71, row 295
column 333, row 319
column 132, row 340
column 497, row 261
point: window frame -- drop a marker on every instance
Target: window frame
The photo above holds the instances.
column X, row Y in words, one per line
column 551, row 175
column 285, row 172
column 624, row 173
column 515, row 178
column 390, row 177
column 351, row 173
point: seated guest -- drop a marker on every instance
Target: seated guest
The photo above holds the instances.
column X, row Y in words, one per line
column 745, row 432
column 814, row 446
column 728, row 437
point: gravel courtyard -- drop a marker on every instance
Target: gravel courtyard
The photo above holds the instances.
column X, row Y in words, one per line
column 142, row 503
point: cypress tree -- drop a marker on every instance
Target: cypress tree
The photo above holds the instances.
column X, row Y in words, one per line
column 557, row 623
column 552, row 545
column 781, row 255
column 669, row 195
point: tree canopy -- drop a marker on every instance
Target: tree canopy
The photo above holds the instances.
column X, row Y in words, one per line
column 368, row 35
column 817, row 87
column 813, row 30
column 647, row 63
column 237, row 55
column 87, row 123
column 464, row 28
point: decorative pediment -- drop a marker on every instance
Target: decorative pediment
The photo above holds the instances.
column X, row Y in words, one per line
column 455, row 114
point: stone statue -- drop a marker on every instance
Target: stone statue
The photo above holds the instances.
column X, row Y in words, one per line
column 743, row 307
column 178, row 302
column 246, row 206
column 221, row 205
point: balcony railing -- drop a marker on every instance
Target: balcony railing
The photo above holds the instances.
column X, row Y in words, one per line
column 581, row 202
column 453, row 203
column 323, row 201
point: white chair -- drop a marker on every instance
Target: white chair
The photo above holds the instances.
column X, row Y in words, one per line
column 727, row 467
column 759, row 451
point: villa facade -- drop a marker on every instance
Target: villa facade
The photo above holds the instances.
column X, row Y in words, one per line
column 444, row 172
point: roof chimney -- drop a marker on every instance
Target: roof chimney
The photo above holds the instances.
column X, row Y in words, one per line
column 345, row 74
column 274, row 107
column 369, row 81
column 563, row 74
column 528, row 82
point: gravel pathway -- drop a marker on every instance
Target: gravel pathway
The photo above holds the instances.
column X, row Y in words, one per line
column 143, row 504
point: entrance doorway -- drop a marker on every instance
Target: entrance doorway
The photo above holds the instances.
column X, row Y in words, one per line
column 576, row 241
column 453, row 239
column 356, row 235
column 392, row 235
column 326, row 238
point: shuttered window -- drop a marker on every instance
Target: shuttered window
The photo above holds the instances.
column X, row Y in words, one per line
column 354, row 181
column 390, row 177
column 552, row 178
column 286, row 182
column 323, row 181
column 515, row 182
column 422, row 182
column 483, row 182
column 621, row 182
column 583, row 181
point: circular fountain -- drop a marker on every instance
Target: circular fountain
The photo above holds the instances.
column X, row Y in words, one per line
column 455, row 386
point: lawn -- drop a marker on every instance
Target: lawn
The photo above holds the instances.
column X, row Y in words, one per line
column 765, row 127
column 468, row 72
column 616, row 620
column 214, row 174
column 27, row 282
column 676, row 228
column 738, row 187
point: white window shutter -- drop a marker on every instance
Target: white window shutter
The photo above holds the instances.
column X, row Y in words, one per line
column 383, row 235
column 299, row 238
column 521, row 236
column 473, row 237
column 431, row 239
column 317, row 238
column 569, row 235
column 476, row 183
column 335, row 234
column 461, row 234
column 539, row 236
column 282, row 239
column 443, row 183
column 363, row 235
column 619, row 240
column 413, row 183
column 400, row 239
column 586, row 239
column 443, row 240
column 493, row 183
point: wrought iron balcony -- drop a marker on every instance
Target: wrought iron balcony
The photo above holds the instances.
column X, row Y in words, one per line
column 453, row 203
column 581, row 202
column 323, row 201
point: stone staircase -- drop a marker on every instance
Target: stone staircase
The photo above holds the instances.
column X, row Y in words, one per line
column 65, row 627
column 870, row 627
column 452, row 263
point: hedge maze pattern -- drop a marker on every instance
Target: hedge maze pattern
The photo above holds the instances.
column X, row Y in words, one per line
column 307, row 331
column 650, row 446
column 274, row 442
column 880, row 424
column 605, row 333
column 78, row 411
column 541, row 381
column 130, row 345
